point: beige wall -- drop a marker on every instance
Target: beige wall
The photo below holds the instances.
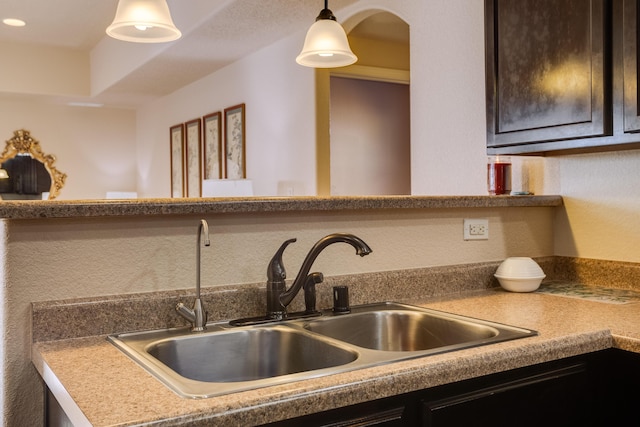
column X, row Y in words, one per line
column 39, row 70
column 448, row 148
column 381, row 54
column 601, row 194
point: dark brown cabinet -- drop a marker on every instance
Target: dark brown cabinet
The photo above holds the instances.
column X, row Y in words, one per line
column 630, row 61
column 587, row 390
column 561, row 75
column 556, row 397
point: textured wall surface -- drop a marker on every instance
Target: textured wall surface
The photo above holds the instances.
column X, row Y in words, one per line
column 602, row 202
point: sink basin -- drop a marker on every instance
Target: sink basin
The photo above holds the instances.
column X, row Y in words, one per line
column 226, row 359
column 247, row 355
column 402, row 330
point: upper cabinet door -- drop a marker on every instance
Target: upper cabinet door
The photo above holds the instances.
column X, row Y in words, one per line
column 630, row 49
column 546, row 72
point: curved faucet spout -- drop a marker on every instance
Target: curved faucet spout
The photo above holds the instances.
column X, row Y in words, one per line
column 203, row 228
column 361, row 247
column 197, row 316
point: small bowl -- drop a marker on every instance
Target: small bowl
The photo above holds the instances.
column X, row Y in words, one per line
column 519, row 268
column 520, row 284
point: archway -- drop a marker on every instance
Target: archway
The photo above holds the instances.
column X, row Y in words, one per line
column 364, row 115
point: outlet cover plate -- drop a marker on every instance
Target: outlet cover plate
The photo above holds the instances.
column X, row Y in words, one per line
column 476, row 229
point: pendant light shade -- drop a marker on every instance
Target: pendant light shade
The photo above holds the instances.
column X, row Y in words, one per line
column 143, row 21
column 326, row 44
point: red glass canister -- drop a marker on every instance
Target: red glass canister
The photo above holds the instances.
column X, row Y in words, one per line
column 499, row 175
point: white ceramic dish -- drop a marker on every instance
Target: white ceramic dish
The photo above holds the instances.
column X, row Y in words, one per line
column 520, row 284
column 519, row 267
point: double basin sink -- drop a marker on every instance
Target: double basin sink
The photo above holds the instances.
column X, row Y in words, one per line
column 226, row 359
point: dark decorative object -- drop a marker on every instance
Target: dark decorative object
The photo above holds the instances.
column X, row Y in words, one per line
column 31, row 172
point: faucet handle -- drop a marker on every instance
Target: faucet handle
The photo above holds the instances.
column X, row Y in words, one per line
column 276, row 271
column 196, row 316
column 276, row 275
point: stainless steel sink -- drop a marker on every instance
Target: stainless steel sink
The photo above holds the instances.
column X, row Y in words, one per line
column 402, row 330
column 224, row 360
column 248, row 354
column 227, row 359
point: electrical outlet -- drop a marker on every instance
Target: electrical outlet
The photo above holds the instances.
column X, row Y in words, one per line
column 476, row 229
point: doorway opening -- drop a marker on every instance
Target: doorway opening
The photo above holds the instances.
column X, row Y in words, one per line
column 364, row 113
column 370, row 139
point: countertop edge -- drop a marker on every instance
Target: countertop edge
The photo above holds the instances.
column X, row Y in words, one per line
column 626, row 343
column 198, row 206
column 66, row 402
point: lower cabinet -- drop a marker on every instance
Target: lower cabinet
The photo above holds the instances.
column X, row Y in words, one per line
column 587, row 390
column 559, row 396
column 54, row 414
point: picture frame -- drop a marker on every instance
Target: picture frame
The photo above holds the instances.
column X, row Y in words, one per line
column 212, row 146
column 176, row 146
column 193, row 137
column 235, row 142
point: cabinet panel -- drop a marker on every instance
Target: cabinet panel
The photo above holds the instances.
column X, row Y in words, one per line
column 389, row 412
column 630, row 49
column 389, row 418
column 558, row 397
column 587, row 390
column 546, row 71
column 54, row 414
column 616, row 376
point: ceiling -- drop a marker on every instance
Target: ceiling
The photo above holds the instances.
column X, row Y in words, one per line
column 215, row 34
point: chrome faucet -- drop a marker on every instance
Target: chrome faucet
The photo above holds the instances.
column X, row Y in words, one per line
column 197, row 316
column 278, row 297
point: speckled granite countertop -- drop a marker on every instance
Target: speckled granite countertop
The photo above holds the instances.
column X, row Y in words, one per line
column 103, row 208
column 103, row 385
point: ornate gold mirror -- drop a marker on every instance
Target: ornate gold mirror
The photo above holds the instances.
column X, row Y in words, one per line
column 30, row 171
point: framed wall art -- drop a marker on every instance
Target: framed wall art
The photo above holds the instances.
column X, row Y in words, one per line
column 212, row 152
column 176, row 139
column 193, row 132
column 234, row 142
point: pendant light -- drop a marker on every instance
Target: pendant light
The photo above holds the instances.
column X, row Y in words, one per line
column 326, row 44
column 143, row 21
